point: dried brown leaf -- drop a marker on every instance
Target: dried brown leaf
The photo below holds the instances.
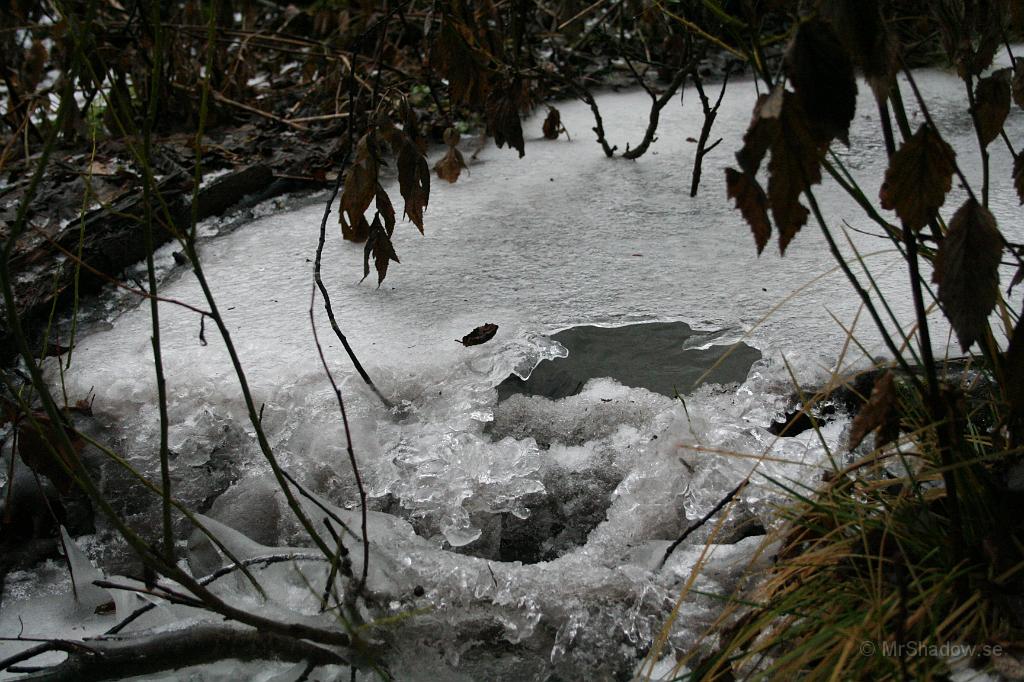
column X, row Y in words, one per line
column 552, row 124
column 394, row 137
column 1018, row 81
column 971, row 33
column 866, row 36
column 992, row 104
column 385, row 210
column 458, row 61
column 451, row 137
column 411, row 127
column 1013, row 364
column 967, row 271
column 980, row 58
column 1018, row 277
column 481, row 334
column 378, row 244
column 34, row 66
column 794, row 166
column 450, row 166
column 822, row 75
column 503, row 122
column 38, row 448
column 752, row 203
column 762, row 131
column 878, row 413
column 1018, row 176
column 918, row 178
column 54, row 350
column 413, row 179
column 360, row 189
column 356, row 233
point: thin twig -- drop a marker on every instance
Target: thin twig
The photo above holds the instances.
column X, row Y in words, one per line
column 710, row 114
column 348, row 438
column 264, row 561
column 245, row 107
column 704, row 519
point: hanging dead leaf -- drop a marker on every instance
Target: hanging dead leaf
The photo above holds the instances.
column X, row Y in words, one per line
column 762, row 131
column 822, row 75
column 980, row 58
column 8, row 412
column 879, row 414
column 450, row 166
column 413, row 178
column 385, row 210
column 411, row 126
column 1013, row 363
column 54, row 350
column 503, row 122
column 481, row 334
column 794, row 166
column 360, row 189
column 378, row 244
column 1018, row 277
column 458, row 61
column 451, row 137
column 394, row 137
column 552, row 124
column 967, row 271
column 34, row 66
column 1018, row 81
column 918, row 178
column 1018, row 176
column 866, row 36
column 992, row 21
column 356, row 233
column 971, row 33
column 41, row 448
column 992, row 104
column 778, row 124
column 752, row 203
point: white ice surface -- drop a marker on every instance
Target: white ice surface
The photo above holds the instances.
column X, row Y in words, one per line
column 561, row 237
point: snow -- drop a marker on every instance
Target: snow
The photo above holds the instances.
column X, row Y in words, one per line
column 598, row 482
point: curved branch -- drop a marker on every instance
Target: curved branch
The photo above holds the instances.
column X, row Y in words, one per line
column 656, row 106
column 710, row 114
column 584, row 95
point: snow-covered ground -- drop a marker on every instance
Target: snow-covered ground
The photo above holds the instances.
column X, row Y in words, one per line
column 561, row 237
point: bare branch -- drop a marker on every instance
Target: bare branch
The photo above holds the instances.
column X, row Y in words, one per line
column 110, row 658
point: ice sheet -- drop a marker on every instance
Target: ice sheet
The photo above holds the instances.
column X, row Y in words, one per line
column 562, row 237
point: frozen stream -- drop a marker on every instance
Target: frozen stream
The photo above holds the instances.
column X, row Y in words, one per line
column 610, row 476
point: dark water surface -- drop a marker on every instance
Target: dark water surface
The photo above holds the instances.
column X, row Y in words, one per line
column 650, row 355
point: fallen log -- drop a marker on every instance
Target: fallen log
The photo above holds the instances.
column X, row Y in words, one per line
column 120, row 656
column 113, row 240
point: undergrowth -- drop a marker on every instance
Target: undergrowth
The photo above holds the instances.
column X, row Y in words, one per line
column 905, row 561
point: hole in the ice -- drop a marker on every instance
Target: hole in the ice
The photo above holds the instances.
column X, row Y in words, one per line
column 574, row 506
column 589, row 418
column 663, row 357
